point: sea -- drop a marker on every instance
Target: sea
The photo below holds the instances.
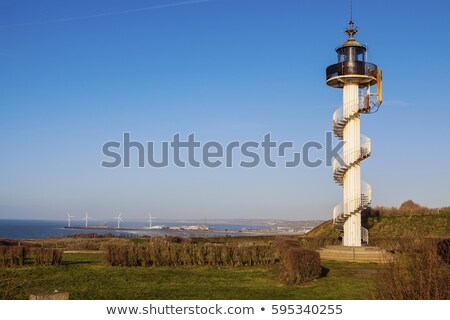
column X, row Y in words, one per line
column 42, row 229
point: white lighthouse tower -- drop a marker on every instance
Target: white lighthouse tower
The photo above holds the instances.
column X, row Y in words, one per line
column 355, row 76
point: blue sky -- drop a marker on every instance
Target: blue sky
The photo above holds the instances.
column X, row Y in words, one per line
column 75, row 74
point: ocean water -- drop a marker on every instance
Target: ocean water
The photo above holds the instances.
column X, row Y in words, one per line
column 41, row 229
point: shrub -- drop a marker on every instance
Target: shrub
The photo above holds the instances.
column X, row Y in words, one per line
column 415, row 272
column 12, row 256
column 407, row 208
column 444, row 250
column 164, row 252
column 284, row 243
column 46, row 256
column 306, row 242
column 315, row 243
column 83, row 244
column 300, row 266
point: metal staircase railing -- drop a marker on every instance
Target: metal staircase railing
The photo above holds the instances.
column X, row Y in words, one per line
column 365, row 105
column 341, row 217
column 364, row 235
column 343, row 211
column 353, row 157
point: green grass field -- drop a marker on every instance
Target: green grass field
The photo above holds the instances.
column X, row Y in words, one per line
column 85, row 277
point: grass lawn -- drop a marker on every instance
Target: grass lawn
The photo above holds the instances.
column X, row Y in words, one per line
column 84, row 277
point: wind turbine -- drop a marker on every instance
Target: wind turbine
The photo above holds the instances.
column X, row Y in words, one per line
column 68, row 219
column 87, row 218
column 119, row 219
column 150, row 220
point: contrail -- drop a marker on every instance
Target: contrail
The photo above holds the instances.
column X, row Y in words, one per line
column 106, row 14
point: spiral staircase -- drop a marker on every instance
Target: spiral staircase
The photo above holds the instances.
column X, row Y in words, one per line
column 343, row 211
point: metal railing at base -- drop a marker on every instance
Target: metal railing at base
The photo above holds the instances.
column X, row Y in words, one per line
column 364, row 235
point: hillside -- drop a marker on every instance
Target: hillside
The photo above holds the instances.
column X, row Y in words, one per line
column 326, row 229
column 436, row 224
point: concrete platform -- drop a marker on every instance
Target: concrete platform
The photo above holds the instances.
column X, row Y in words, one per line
column 355, row 254
column 50, row 296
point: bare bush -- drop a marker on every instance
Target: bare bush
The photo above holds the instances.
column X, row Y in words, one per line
column 46, row 256
column 407, row 208
column 167, row 252
column 84, row 244
column 444, row 250
column 315, row 243
column 12, row 256
column 299, row 264
column 415, row 272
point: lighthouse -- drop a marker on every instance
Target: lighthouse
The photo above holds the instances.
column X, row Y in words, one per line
column 361, row 84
